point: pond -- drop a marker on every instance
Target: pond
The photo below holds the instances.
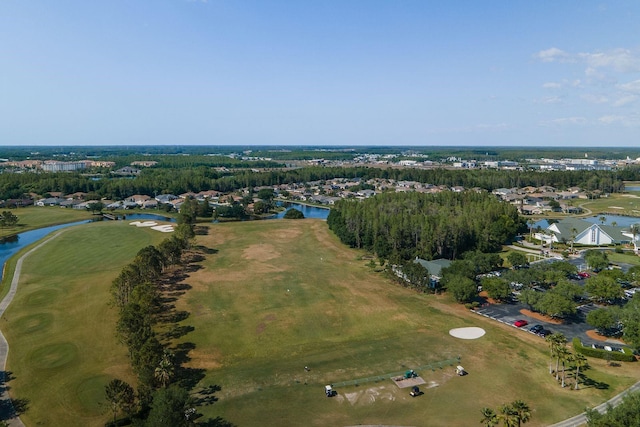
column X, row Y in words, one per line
column 307, row 210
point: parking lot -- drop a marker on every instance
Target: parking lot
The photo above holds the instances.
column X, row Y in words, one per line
column 509, row 313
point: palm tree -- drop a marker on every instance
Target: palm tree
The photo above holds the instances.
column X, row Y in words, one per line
column 523, row 411
column 574, row 233
column 489, row 417
column 164, row 371
column 509, row 416
column 556, row 341
column 603, row 219
column 563, row 356
column 531, row 222
column 635, row 230
column 580, row 362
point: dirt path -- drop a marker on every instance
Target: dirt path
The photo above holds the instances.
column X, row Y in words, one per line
column 4, row 345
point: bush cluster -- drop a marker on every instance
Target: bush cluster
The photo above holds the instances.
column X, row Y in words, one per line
column 627, row 356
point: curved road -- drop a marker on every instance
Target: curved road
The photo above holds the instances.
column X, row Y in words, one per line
column 4, row 345
column 581, row 419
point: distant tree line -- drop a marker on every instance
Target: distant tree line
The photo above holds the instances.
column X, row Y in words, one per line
column 189, row 175
column 402, row 226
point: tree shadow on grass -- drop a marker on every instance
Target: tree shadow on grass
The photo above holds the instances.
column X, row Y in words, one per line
column 11, row 408
column 200, row 230
column 216, row 422
column 192, row 268
column 178, row 331
column 206, row 396
column 206, row 250
column 591, row 383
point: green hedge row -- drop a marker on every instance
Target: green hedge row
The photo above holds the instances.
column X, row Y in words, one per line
column 627, row 356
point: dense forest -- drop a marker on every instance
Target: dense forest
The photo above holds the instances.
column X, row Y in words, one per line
column 188, row 175
column 401, row 226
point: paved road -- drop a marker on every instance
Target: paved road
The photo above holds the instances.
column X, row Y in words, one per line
column 581, row 419
column 4, row 345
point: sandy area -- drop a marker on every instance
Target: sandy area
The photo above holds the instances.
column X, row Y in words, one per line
column 596, row 336
column 541, row 317
column 470, row 333
column 154, row 226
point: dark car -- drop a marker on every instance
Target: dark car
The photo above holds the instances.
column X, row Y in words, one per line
column 536, row 329
column 544, row 333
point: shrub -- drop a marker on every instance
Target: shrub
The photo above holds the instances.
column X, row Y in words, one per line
column 627, row 356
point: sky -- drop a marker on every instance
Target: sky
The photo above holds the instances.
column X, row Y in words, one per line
column 320, row 72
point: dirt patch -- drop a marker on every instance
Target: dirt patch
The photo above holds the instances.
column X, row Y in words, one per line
column 367, row 396
column 540, row 317
column 408, row 382
column 260, row 252
column 485, row 295
column 200, row 360
column 596, row 336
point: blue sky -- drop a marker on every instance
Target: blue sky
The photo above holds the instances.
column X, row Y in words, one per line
column 347, row 72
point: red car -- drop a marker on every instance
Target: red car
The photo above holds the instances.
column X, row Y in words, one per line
column 520, row 323
column 584, row 275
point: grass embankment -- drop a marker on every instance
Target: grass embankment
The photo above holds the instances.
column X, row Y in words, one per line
column 276, row 297
column 282, row 295
column 34, row 217
column 60, row 328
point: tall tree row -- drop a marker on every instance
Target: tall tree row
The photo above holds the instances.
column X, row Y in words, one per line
column 402, row 226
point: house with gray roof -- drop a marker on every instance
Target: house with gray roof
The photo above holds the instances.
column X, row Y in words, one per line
column 586, row 233
column 434, row 268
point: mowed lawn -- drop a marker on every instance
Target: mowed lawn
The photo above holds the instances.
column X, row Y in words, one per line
column 33, row 217
column 275, row 296
column 61, row 329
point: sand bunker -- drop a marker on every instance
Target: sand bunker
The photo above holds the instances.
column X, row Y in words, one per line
column 471, row 333
column 163, row 228
column 143, row 224
column 154, row 226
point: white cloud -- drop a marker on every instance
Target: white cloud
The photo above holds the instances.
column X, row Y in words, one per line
column 610, row 119
column 622, row 60
column 493, row 127
column 595, row 99
column 553, row 54
column 562, row 121
column 625, row 100
column 631, row 87
column 549, row 100
column 562, row 84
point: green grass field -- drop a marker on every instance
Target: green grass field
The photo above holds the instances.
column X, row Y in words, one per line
column 60, row 328
column 271, row 298
column 34, row 217
column 282, row 295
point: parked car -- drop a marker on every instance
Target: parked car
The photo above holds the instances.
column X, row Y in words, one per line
column 544, row 333
column 536, row 329
column 520, row 323
column 584, row 275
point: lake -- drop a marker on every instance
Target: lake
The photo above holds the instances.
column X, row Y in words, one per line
column 308, row 211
